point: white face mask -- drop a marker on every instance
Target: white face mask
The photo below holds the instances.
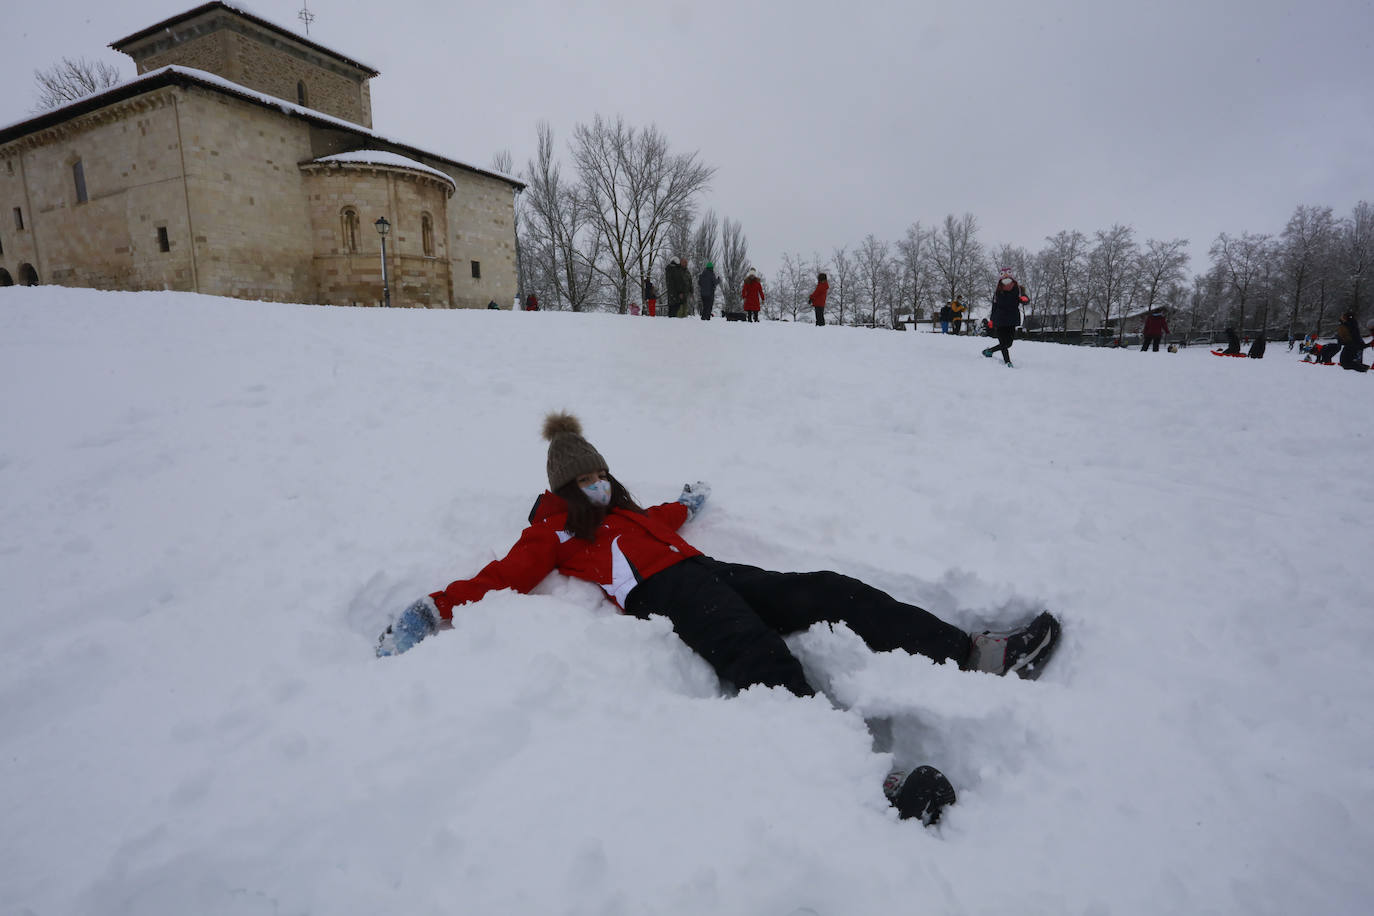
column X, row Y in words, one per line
column 599, row 493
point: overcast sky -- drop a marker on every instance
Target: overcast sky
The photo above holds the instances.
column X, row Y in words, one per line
column 828, row 121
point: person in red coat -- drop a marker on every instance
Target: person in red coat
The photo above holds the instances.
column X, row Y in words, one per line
column 817, row 298
column 1156, row 326
column 752, row 294
column 587, row 525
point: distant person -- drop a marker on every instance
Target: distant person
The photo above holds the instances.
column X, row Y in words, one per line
column 1232, row 343
column 946, row 313
column 679, row 284
column 752, row 294
column 588, row 526
column 1156, row 326
column 817, row 298
column 650, row 297
column 531, row 303
column 634, row 308
column 1006, row 316
column 956, row 316
column 706, row 290
column 1257, row 346
column 1352, row 343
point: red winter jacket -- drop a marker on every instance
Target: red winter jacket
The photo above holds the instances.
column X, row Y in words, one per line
column 628, row 549
column 752, row 294
column 1156, row 325
column 818, row 295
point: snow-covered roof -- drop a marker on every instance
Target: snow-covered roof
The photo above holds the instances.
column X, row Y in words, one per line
column 383, row 157
column 184, row 75
column 241, row 11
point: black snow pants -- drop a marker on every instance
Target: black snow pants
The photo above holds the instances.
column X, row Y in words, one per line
column 736, row 616
column 1005, row 337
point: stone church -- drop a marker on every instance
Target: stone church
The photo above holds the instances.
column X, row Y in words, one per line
column 240, row 161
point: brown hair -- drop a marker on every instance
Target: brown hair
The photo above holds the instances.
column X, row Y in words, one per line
column 584, row 518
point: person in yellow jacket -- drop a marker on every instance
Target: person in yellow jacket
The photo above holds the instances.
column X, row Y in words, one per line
column 956, row 309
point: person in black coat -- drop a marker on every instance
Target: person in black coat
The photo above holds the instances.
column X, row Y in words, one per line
column 1006, row 316
column 1352, row 343
column 706, row 289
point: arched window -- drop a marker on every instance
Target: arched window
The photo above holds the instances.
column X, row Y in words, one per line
column 427, row 234
column 27, row 275
column 5, row 278
column 301, row 98
column 350, row 230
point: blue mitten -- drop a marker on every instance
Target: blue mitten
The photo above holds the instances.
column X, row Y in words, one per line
column 693, row 496
column 414, row 624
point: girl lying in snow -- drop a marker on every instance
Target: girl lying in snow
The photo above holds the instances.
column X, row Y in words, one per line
column 588, row 526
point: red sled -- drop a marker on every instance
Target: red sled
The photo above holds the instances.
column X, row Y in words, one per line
column 1224, row 353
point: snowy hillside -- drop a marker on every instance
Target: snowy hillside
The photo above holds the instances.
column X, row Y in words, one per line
column 210, row 508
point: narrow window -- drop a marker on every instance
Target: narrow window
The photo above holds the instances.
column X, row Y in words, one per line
column 163, row 243
column 19, row 219
column 301, row 98
column 79, row 178
column 427, row 234
column 476, row 270
column 350, row 230
column 2, row 247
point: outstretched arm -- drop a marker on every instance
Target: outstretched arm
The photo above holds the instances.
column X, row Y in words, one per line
column 532, row 558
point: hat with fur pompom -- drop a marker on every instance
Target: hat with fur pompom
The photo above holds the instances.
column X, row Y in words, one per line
column 570, row 456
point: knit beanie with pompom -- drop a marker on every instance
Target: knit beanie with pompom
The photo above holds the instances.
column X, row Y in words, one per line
column 570, row 456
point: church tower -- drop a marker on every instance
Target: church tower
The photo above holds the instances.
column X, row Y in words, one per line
column 257, row 55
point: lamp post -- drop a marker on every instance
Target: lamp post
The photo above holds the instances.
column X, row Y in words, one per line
column 383, row 227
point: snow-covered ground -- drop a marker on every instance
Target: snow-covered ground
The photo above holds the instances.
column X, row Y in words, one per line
column 210, row 508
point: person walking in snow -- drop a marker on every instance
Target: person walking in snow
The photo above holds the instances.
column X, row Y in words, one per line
column 706, row 290
column 587, row 525
column 1232, row 343
column 817, row 298
column 946, row 313
column 1006, row 315
column 1156, row 326
column 752, row 294
column 1352, row 343
column 650, row 298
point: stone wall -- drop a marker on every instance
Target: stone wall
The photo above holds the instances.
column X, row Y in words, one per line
column 251, row 230
column 345, row 277
column 481, row 217
column 242, row 53
column 131, row 163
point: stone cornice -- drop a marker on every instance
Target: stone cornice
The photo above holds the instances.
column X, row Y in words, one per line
column 378, row 168
column 116, row 111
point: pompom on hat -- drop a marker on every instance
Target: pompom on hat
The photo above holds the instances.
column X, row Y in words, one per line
column 570, row 455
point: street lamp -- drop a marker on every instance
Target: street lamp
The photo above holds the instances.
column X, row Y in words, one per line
column 383, row 227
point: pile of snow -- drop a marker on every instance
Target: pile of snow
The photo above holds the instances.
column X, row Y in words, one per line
column 210, row 508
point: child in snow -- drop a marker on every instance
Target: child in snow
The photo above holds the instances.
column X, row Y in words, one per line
column 1006, row 315
column 588, row 526
column 1352, row 343
column 817, row 298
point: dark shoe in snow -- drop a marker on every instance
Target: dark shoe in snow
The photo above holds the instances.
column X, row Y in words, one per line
column 1024, row 650
column 988, row 352
column 923, row 793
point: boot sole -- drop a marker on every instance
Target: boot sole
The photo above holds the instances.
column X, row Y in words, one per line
column 1032, row 665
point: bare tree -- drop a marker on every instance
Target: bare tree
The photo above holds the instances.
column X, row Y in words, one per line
column 917, row 278
column 871, row 270
column 1162, row 266
column 564, row 246
column 72, row 79
column 1110, row 265
column 734, row 261
column 1240, row 262
column 958, row 257
column 1355, row 251
column 705, row 239
column 636, row 189
column 1306, row 245
column 1065, row 259
column 842, row 272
